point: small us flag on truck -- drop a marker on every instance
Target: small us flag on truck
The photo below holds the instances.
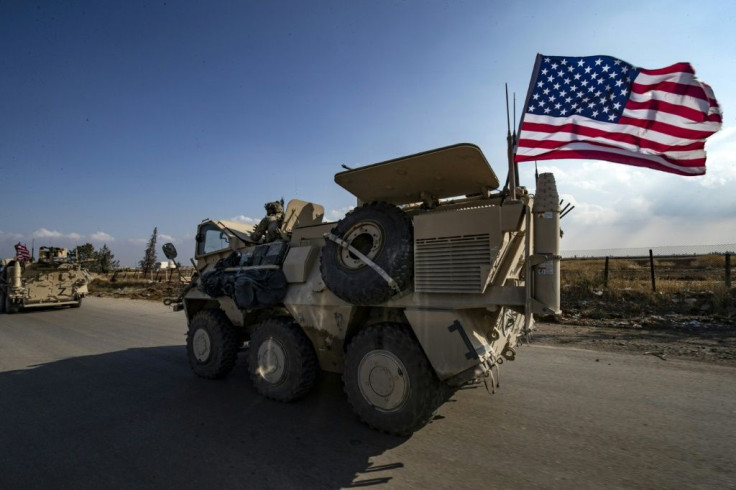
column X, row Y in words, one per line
column 21, row 252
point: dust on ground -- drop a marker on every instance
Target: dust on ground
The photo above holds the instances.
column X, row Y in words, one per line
column 693, row 325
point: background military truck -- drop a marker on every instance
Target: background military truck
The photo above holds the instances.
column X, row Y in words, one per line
column 53, row 280
column 426, row 285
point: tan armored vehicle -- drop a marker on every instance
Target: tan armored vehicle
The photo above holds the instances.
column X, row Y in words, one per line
column 426, row 285
column 53, row 280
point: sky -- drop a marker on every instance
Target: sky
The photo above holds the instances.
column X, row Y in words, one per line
column 118, row 117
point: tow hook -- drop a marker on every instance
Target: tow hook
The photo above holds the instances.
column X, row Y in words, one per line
column 508, row 353
column 495, row 381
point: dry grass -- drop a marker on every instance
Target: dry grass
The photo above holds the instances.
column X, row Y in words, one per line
column 682, row 283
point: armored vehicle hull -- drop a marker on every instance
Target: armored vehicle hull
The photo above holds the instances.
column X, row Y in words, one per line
column 429, row 283
column 51, row 281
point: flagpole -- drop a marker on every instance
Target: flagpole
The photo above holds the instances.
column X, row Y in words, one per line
column 510, row 150
column 517, row 130
column 513, row 144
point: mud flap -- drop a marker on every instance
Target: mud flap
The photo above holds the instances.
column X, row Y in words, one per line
column 449, row 345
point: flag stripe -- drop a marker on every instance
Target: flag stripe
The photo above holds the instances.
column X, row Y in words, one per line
column 593, row 152
column 638, row 128
column 672, row 125
column 673, row 88
column 539, row 147
column 676, row 68
column 644, row 78
column 692, row 103
column 664, row 128
column 653, row 106
column 540, row 141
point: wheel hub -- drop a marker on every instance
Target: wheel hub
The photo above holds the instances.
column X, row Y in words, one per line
column 367, row 239
column 271, row 361
column 383, row 380
column 202, row 345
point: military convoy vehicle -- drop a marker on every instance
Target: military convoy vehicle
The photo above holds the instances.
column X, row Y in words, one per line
column 428, row 284
column 53, row 280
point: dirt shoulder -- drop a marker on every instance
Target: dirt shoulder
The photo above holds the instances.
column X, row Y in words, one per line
column 691, row 340
column 698, row 326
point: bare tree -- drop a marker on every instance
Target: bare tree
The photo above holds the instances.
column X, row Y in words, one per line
column 149, row 259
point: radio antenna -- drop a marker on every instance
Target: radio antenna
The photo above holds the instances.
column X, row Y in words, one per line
column 510, row 150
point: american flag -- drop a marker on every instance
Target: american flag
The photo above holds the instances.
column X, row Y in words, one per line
column 21, row 252
column 602, row 108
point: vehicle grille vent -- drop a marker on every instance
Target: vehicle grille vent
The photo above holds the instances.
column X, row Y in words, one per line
column 452, row 264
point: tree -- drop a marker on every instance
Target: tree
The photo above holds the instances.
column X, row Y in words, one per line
column 85, row 253
column 106, row 260
column 149, row 259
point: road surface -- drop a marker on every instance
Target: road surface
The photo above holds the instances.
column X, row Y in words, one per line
column 102, row 397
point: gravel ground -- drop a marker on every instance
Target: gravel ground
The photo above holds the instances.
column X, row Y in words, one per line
column 672, row 336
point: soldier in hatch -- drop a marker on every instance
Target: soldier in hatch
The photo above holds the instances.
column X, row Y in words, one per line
column 269, row 229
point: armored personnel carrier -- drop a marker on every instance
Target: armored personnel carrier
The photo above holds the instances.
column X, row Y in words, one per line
column 426, row 285
column 53, row 280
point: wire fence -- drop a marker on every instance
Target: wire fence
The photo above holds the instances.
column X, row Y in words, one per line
column 702, row 266
column 675, row 250
column 182, row 274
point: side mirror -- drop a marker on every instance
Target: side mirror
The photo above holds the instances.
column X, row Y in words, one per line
column 169, row 251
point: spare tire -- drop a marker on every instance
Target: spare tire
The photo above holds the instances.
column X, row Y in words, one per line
column 384, row 234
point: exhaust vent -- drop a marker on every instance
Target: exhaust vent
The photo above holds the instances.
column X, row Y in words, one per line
column 459, row 264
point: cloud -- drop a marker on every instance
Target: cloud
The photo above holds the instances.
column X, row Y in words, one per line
column 338, row 214
column 241, row 218
column 101, row 236
column 721, row 159
column 166, row 238
column 44, row 233
column 10, row 236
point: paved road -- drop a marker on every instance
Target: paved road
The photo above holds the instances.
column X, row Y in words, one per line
column 102, row 397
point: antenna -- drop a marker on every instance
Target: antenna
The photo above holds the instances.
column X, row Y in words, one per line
column 510, row 150
column 514, row 141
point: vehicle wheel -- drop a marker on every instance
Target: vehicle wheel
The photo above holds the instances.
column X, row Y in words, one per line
column 77, row 304
column 383, row 233
column 281, row 360
column 2, row 302
column 10, row 307
column 389, row 381
column 212, row 344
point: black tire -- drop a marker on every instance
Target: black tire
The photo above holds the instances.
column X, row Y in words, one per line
column 383, row 233
column 281, row 360
column 10, row 307
column 78, row 304
column 389, row 381
column 212, row 344
column 2, row 302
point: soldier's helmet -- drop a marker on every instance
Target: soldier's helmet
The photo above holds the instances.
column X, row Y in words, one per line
column 274, row 207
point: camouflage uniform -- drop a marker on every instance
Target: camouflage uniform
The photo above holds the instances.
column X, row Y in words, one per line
column 269, row 229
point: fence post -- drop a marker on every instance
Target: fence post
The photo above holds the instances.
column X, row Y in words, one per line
column 605, row 274
column 651, row 267
column 728, row 270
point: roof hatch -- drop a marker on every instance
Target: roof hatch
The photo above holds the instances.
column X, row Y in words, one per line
column 451, row 171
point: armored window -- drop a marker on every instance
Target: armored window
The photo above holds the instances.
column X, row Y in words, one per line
column 211, row 239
